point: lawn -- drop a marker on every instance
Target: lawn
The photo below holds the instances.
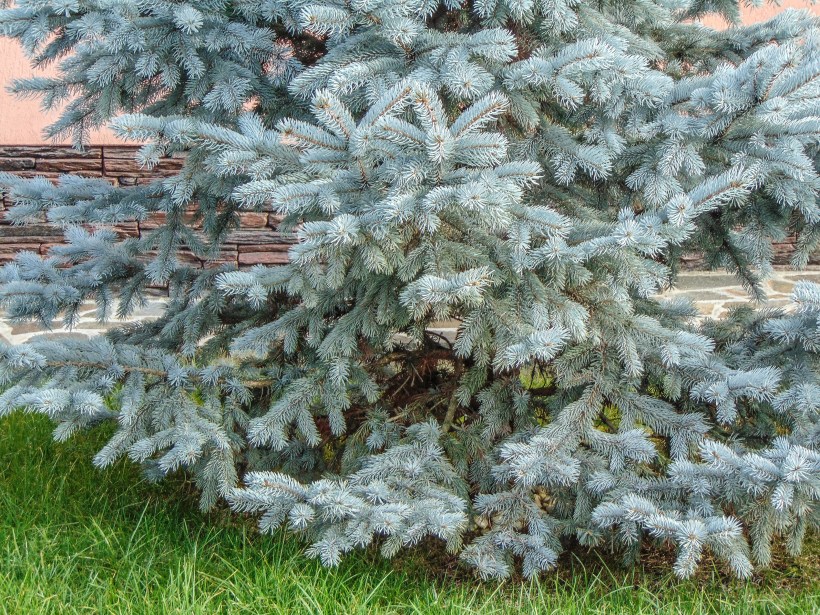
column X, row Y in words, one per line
column 78, row 540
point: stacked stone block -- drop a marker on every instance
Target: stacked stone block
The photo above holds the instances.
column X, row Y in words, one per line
column 257, row 241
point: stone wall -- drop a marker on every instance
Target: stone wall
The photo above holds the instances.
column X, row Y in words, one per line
column 783, row 251
column 256, row 242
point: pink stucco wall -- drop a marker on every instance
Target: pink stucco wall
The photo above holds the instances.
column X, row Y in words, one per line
column 767, row 11
column 22, row 121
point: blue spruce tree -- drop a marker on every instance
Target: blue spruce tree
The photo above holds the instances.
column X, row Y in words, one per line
column 533, row 171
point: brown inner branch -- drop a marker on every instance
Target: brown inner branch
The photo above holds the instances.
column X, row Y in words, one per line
column 421, row 383
column 307, row 48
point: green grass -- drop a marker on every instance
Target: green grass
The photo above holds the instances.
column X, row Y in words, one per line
column 78, row 540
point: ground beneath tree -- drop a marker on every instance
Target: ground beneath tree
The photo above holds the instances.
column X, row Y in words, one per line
column 713, row 293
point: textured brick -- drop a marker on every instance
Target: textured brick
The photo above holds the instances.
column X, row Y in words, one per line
column 226, row 257
column 28, row 239
column 253, row 220
column 69, row 165
column 29, row 230
column 52, row 176
column 45, row 247
column 262, row 258
column 122, row 161
column 16, row 164
column 126, row 152
column 261, row 237
column 132, row 167
column 188, row 258
column 124, row 167
column 257, row 241
column 127, row 229
column 184, row 256
column 48, row 151
column 9, row 251
column 157, row 219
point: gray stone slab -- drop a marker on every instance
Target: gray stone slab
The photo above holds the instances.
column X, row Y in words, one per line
column 58, row 335
column 93, row 325
column 796, row 276
column 712, row 293
column 30, row 327
column 704, row 295
column 705, row 280
column 782, row 286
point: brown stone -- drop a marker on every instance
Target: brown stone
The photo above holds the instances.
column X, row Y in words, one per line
column 16, row 164
column 226, row 257
column 219, row 263
column 251, row 243
column 48, row 151
column 29, row 239
column 112, row 152
column 171, row 163
column 187, row 257
column 122, row 162
column 782, row 250
column 184, row 256
column 153, row 221
column 125, row 167
column 29, row 174
column 132, row 167
column 157, row 219
column 253, row 220
column 8, row 252
column 55, row 176
column 127, row 229
column 29, row 230
column 133, row 180
column 262, row 258
column 261, row 237
column 45, row 247
column 130, row 151
column 31, row 246
column 70, row 165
